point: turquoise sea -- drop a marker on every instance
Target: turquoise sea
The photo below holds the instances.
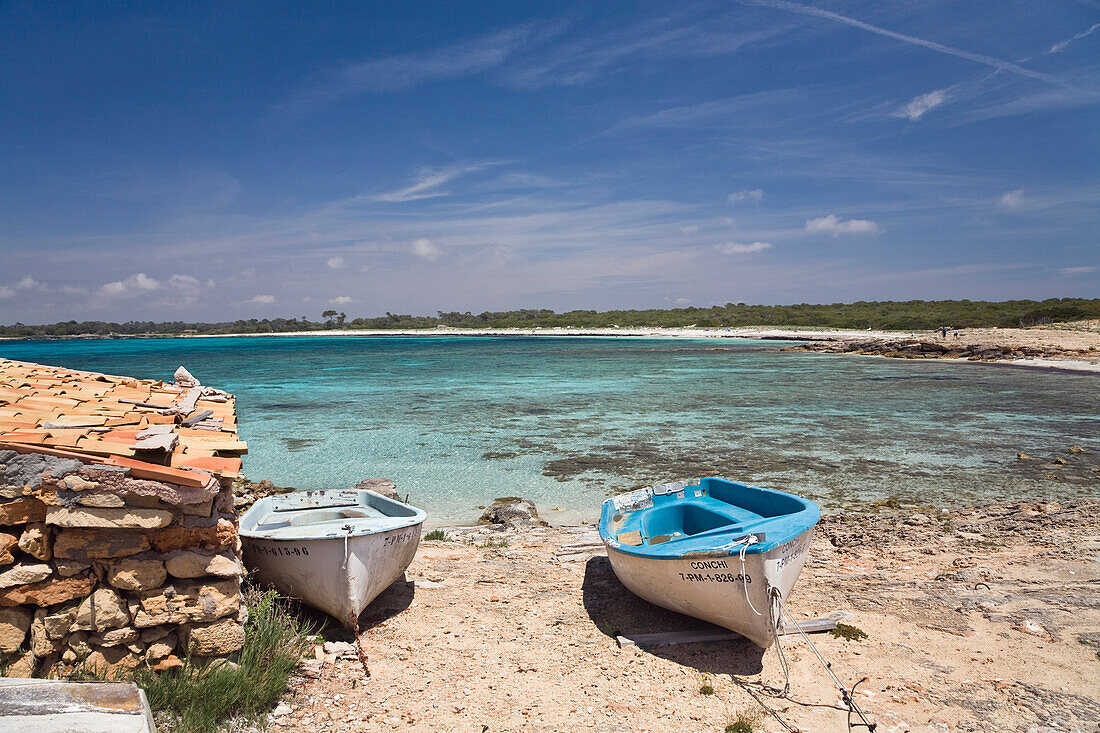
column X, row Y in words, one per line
column 458, row 421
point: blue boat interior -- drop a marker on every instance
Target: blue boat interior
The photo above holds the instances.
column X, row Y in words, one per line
column 707, row 516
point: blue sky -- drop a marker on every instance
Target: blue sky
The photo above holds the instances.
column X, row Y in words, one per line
column 214, row 161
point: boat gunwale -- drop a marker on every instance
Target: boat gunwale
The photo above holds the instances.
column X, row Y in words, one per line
column 251, row 532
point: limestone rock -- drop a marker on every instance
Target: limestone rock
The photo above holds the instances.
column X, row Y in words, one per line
column 384, row 486
column 14, row 623
column 512, row 511
column 48, row 592
column 187, row 601
column 111, row 661
column 58, row 624
column 23, row 667
column 69, row 568
column 37, row 541
column 161, row 648
column 195, row 564
column 22, row 511
column 222, row 536
column 215, row 639
column 7, row 541
column 116, row 637
column 24, row 573
column 41, row 643
column 105, row 501
column 104, row 609
column 95, row 517
column 119, row 482
column 89, row 544
column 202, row 509
column 74, row 482
column 141, row 572
column 155, row 633
column 168, row 663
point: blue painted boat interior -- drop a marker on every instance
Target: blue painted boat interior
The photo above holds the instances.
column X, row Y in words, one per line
column 708, row 515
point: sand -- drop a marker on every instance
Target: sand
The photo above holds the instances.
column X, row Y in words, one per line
column 981, row 619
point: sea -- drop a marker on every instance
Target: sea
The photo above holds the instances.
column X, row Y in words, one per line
column 568, row 421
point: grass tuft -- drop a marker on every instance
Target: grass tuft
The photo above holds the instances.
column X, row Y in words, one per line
column 849, row 632
column 491, row 543
column 744, row 722
column 197, row 699
column 707, row 687
column 437, row 534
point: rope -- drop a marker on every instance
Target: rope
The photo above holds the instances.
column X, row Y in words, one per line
column 750, row 540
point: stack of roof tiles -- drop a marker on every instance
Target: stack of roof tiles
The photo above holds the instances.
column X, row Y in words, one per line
column 118, row 537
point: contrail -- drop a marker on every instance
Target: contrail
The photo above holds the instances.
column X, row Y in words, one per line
column 996, row 63
column 1061, row 45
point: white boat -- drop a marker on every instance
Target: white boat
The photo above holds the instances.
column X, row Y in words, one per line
column 334, row 550
column 714, row 549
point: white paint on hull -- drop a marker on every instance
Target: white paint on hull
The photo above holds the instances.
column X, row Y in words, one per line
column 718, row 589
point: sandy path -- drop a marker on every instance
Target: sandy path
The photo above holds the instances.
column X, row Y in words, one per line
column 985, row 620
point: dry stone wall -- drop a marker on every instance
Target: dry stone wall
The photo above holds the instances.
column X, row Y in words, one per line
column 102, row 569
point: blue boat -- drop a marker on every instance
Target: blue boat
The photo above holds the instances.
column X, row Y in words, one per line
column 714, row 549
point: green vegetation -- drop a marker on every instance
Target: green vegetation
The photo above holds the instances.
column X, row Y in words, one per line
column 911, row 315
column 491, row 543
column 744, row 722
column 438, row 534
column 706, row 686
column 849, row 632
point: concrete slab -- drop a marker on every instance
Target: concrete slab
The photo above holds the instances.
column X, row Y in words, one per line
column 53, row 706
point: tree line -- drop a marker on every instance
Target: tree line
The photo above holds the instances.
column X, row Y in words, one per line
column 910, row 315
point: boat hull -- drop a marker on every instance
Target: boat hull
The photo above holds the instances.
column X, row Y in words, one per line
column 339, row 575
column 717, row 586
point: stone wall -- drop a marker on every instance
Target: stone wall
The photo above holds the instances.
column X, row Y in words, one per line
column 103, row 569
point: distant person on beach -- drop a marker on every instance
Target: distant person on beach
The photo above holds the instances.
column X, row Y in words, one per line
column 943, row 331
column 956, row 333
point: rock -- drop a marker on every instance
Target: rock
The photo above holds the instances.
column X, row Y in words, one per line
column 14, row 624
column 22, row 511
column 23, row 668
column 161, row 648
column 115, row 637
column 195, row 564
column 69, row 568
column 24, row 574
column 7, row 541
column 280, row 710
column 512, row 511
column 311, row 668
column 111, row 661
column 155, row 633
column 120, row 483
column 186, row 601
column 104, row 501
column 42, row 644
column 222, row 536
column 104, row 609
column 1076, row 449
column 1033, row 627
column 342, row 649
column 1021, row 456
column 124, row 518
column 37, row 541
column 168, row 663
column 75, row 482
column 97, row 544
column 27, row 469
column 58, row 624
column 221, row 663
column 918, row 519
column 215, row 639
column 48, row 592
column 138, row 572
column 384, row 486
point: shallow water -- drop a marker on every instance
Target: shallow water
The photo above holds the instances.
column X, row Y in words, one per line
column 457, row 421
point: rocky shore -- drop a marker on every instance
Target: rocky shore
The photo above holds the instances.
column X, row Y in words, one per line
column 976, row 619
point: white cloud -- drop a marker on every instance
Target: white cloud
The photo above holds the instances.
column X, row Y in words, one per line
column 832, row 225
column 426, row 249
column 919, row 106
column 340, row 300
column 427, row 184
column 689, row 229
column 1076, row 270
column 1061, row 45
column 187, row 281
column 736, row 248
column 27, row 283
column 131, row 285
column 1013, row 199
column 682, row 301
column 364, row 268
column 755, row 194
column 335, row 263
column 263, row 299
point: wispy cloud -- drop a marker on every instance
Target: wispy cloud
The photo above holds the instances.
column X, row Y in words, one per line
column 428, row 183
column 336, row 263
column 1062, row 45
column 394, row 73
column 835, row 226
column 735, row 248
column 991, row 61
column 262, row 299
column 341, row 300
column 1076, row 270
column 921, row 105
column 755, row 195
column 1012, row 199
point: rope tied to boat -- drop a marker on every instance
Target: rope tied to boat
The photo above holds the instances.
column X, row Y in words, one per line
column 745, row 542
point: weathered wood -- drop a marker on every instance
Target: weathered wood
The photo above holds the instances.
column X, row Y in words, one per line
column 696, row 636
column 191, row 421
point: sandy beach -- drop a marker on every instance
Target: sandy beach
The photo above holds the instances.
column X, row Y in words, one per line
column 977, row 619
